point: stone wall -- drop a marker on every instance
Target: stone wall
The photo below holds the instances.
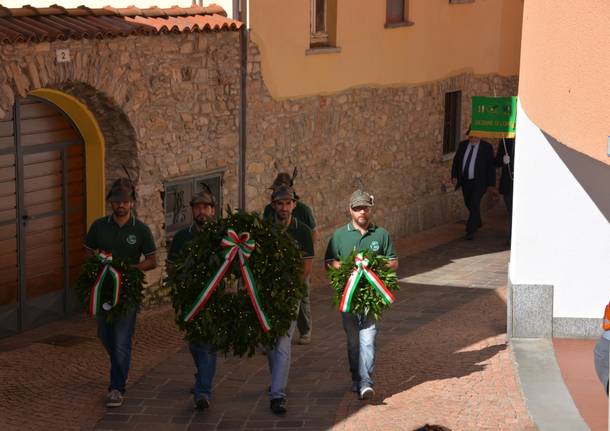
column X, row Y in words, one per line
column 387, row 140
column 167, row 105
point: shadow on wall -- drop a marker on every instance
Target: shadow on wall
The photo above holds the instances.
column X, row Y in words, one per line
column 592, row 175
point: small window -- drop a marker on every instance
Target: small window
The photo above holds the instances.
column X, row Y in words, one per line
column 453, row 118
column 397, row 13
column 319, row 22
column 178, row 194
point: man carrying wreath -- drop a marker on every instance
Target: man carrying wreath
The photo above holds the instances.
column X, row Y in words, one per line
column 284, row 202
column 360, row 235
column 304, row 214
column 203, row 207
column 123, row 236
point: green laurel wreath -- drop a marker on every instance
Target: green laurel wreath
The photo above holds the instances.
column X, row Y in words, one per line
column 228, row 321
column 366, row 300
column 132, row 285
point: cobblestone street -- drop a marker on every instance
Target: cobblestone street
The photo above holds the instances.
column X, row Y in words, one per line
column 442, row 358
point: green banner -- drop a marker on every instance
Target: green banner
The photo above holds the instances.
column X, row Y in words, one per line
column 493, row 117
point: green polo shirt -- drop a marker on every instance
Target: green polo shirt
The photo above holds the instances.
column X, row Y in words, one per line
column 181, row 238
column 301, row 233
column 128, row 242
column 348, row 238
column 301, row 212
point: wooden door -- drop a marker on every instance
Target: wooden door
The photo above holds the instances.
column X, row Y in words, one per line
column 42, row 214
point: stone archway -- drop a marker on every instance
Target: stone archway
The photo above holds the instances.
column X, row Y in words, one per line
column 119, row 135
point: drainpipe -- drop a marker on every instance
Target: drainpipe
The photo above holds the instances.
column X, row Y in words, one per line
column 235, row 11
column 243, row 44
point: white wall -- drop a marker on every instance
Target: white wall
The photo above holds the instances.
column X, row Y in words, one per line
column 560, row 237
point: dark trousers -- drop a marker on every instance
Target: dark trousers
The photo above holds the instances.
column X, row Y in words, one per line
column 508, row 201
column 304, row 316
column 472, row 199
column 116, row 338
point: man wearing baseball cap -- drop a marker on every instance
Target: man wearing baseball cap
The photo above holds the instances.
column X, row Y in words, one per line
column 123, row 235
column 304, row 214
column 284, row 203
column 203, row 207
column 359, row 234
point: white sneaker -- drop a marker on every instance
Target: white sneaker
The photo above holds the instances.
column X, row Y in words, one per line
column 367, row 393
column 114, row 398
column 304, row 339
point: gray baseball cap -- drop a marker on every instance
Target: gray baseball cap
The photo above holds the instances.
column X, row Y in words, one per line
column 360, row 198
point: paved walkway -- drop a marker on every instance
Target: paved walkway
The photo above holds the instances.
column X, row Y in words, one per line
column 54, row 377
column 442, row 358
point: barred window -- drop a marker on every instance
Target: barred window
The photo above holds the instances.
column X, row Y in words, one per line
column 453, row 118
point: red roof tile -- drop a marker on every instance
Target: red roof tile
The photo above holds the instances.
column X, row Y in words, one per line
column 55, row 22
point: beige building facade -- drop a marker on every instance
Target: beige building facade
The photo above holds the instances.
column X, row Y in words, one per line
column 435, row 41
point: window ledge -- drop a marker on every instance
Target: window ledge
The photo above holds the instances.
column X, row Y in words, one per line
column 323, row 50
column 448, row 156
column 398, row 24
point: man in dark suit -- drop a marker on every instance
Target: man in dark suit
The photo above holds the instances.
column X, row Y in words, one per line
column 505, row 158
column 473, row 170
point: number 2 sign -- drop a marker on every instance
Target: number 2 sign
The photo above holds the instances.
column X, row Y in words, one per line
column 63, row 55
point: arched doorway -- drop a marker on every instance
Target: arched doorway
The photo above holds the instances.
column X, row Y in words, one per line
column 43, row 217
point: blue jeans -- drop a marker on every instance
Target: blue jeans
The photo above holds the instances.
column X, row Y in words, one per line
column 361, row 332
column 279, row 364
column 116, row 338
column 600, row 358
column 204, row 357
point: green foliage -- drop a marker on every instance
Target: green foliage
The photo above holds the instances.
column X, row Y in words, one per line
column 228, row 320
column 366, row 300
column 132, row 285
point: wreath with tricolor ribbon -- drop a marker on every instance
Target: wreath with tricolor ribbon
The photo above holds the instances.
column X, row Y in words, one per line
column 109, row 285
column 364, row 284
column 237, row 284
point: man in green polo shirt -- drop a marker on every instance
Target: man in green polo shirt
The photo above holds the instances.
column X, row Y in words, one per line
column 203, row 207
column 284, row 202
column 123, row 235
column 304, row 214
column 360, row 235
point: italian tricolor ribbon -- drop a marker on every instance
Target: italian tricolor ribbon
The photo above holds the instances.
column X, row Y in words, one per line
column 362, row 268
column 241, row 246
column 95, row 302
